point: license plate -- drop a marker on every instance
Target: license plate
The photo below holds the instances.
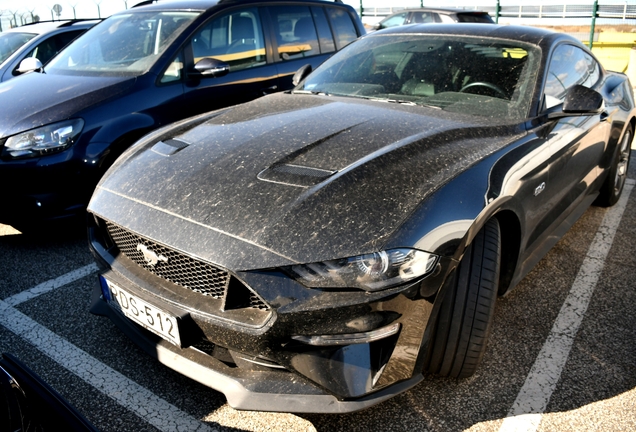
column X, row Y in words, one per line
column 144, row 314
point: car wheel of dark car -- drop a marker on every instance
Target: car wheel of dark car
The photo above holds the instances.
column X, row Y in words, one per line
column 487, row 85
column 613, row 186
column 466, row 313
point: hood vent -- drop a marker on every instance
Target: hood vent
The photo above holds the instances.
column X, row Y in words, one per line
column 295, row 175
column 169, row 147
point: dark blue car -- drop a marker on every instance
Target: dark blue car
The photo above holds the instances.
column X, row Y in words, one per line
column 141, row 69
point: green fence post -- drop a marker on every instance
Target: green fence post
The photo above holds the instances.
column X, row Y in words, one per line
column 594, row 13
column 421, row 3
column 497, row 9
column 361, row 9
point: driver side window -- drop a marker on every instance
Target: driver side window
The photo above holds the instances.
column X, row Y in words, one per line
column 235, row 38
column 569, row 66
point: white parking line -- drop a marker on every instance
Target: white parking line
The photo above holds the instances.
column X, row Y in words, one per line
column 50, row 285
column 532, row 400
column 156, row 411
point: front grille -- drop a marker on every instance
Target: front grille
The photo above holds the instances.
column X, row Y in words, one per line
column 181, row 269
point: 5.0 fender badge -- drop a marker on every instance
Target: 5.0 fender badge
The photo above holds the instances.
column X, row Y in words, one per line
column 150, row 256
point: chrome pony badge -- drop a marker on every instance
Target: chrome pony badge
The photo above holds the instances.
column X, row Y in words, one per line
column 151, row 257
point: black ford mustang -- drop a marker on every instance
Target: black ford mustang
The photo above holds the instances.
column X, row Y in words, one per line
column 319, row 250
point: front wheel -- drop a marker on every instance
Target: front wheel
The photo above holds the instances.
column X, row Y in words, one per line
column 467, row 309
column 613, row 186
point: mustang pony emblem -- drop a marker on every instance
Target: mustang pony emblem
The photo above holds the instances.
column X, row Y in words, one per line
column 151, row 257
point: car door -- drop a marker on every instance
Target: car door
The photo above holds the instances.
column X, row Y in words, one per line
column 577, row 143
column 237, row 38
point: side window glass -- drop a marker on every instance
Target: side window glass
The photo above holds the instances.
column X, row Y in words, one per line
column 395, row 20
column 174, row 72
column 569, row 66
column 51, row 46
column 422, row 17
column 235, row 38
column 325, row 37
column 342, row 26
column 295, row 31
column 446, row 19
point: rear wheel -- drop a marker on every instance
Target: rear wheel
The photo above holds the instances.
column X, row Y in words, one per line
column 466, row 314
column 613, row 186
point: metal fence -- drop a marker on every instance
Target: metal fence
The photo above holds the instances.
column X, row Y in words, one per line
column 584, row 21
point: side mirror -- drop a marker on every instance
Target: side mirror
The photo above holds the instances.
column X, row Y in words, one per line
column 301, row 74
column 582, row 100
column 210, row 67
column 377, row 26
column 579, row 101
column 29, row 64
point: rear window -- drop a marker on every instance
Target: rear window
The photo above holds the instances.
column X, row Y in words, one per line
column 474, row 17
column 342, row 26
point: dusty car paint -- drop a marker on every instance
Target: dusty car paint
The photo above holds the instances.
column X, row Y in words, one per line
column 297, row 179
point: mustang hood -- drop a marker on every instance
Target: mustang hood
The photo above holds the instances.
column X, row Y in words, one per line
column 291, row 178
column 37, row 99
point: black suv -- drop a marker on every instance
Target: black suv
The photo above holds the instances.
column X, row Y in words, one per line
column 141, row 69
column 433, row 15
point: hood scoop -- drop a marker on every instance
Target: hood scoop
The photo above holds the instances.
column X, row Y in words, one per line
column 169, row 147
column 295, row 175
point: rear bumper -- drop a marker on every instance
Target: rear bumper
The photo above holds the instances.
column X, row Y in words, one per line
column 245, row 389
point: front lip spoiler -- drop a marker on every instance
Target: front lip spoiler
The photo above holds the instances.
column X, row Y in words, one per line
column 292, row 396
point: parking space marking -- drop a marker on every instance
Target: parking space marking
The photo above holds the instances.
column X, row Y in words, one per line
column 50, row 285
column 145, row 404
column 532, row 400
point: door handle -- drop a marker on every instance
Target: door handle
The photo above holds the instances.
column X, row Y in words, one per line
column 269, row 90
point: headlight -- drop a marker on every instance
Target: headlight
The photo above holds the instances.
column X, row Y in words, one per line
column 44, row 140
column 370, row 272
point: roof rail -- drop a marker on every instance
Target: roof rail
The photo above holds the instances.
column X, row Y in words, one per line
column 63, row 22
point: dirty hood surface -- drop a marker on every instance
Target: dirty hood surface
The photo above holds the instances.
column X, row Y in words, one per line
column 291, row 178
column 37, row 99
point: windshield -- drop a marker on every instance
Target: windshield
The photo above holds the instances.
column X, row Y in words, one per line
column 11, row 42
column 475, row 76
column 126, row 44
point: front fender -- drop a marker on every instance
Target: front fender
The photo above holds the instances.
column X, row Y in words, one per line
column 114, row 128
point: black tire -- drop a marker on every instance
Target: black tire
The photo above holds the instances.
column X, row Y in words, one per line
column 467, row 309
column 613, row 186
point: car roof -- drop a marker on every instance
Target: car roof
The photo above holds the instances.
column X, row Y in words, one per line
column 207, row 4
column 532, row 35
column 44, row 27
column 444, row 10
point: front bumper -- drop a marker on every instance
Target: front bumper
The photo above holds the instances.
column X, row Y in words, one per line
column 48, row 188
column 245, row 389
column 253, row 358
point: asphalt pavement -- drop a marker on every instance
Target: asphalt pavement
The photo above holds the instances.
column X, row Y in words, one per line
column 562, row 355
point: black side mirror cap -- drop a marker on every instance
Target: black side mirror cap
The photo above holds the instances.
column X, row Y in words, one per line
column 301, row 74
column 580, row 101
column 210, row 67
